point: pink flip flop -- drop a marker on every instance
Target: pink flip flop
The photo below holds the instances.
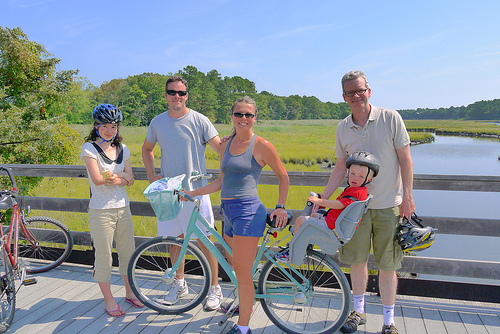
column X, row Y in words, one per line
column 119, row 309
column 133, row 301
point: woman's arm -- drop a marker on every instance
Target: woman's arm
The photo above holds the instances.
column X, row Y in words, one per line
column 265, row 154
column 93, row 170
column 127, row 174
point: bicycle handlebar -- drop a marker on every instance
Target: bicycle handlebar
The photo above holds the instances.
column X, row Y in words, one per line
column 189, row 198
column 14, row 190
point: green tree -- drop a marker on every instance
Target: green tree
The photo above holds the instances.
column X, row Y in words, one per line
column 76, row 104
column 29, row 85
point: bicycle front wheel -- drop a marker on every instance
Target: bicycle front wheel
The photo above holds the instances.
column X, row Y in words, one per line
column 148, row 267
column 314, row 299
column 45, row 244
column 8, row 293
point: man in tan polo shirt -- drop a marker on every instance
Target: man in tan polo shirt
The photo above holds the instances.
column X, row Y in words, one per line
column 382, row 133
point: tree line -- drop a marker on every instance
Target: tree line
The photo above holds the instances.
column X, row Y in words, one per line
column 37, row 102
column 480, row 110
column 141, row 97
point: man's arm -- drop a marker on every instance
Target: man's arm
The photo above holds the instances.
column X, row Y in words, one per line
column 215, row 144
column 407, row 206
column 148, row 159
column 338, row 175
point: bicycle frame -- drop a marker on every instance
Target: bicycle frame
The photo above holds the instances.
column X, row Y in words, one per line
column 16, row 226
column 193, row 228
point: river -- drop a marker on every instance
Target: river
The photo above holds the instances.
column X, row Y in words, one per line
column 450, row 155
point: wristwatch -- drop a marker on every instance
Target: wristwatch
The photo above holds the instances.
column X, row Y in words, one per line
column 279, row 206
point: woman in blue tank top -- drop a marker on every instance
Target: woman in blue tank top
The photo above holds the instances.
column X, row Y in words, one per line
column 242, row 158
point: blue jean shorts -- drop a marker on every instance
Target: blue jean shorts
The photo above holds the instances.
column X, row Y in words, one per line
column 244, row 217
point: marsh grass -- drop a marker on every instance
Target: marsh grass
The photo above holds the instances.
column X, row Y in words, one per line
column 454, row 126
column 303, row 145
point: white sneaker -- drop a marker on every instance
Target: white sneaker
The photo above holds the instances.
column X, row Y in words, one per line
column 177, row 290
column 214, row 298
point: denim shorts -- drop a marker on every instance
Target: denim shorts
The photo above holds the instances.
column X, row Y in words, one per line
column 244, row 217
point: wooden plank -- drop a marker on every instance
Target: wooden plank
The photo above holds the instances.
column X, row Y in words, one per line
column 452, row 322
column 75, row 305
column 473, row 323
column 453, row 226
column 432, row 320
column 414, row 323
column 491, row 322
column 420, row 181
column 40, row 307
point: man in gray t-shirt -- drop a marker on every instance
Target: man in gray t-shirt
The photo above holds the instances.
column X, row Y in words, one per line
column 182, row 135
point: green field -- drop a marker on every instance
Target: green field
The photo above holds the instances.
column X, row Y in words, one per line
column 305, row 145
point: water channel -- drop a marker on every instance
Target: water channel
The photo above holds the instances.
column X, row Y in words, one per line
column 459, row 156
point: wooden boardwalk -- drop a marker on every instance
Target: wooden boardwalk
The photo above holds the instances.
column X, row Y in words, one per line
column 66, row 300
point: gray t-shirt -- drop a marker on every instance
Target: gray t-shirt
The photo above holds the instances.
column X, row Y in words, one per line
column 182, row 142
column 382, row 136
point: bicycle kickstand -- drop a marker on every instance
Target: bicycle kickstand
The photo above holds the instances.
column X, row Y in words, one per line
column 230, row 312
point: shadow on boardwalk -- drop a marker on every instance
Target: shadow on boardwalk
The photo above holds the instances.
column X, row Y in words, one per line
column 66, row 300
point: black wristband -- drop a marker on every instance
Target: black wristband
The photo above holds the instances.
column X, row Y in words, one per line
column 279, row 206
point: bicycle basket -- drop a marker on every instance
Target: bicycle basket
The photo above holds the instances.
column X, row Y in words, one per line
column 160, row 195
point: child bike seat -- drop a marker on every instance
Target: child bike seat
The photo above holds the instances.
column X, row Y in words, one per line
column 328, row 240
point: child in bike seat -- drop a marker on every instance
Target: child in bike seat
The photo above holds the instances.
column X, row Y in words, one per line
column 361, row 167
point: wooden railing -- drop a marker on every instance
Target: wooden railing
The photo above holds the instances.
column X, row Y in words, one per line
column 411, row 264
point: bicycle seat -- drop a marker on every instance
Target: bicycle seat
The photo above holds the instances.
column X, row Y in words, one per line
column 272, row 223
column 4, row 203
column 328, row 240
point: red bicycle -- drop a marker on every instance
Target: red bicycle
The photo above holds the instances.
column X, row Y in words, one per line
column 27, row 245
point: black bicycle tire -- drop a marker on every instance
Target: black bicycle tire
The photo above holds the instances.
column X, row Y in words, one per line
column 135, row 284
column 56, row 259
column 343, row 286
column 7, row 287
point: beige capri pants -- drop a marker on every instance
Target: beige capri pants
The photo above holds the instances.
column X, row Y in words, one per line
column 106, row 224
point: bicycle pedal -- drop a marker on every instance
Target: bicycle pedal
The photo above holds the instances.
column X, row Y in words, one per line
column 30, row 281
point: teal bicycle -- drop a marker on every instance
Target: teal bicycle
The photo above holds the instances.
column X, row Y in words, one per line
column 312, row 296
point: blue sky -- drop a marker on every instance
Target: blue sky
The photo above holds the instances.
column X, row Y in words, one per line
column 416, row 54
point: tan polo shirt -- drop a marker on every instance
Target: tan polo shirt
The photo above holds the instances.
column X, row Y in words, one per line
column 383, row 134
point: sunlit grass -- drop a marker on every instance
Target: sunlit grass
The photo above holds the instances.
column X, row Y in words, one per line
column 305, row 145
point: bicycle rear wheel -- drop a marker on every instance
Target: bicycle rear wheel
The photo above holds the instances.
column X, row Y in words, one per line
column 48, row 243
column 148, row 265
column 322, row 308
column 7, row 292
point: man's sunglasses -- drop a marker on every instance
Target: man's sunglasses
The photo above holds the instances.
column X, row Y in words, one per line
column 173, row 92
column 240, row 115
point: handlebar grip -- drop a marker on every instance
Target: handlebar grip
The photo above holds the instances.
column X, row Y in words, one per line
column 189, row 198
column 11, row 177
column 309, row 205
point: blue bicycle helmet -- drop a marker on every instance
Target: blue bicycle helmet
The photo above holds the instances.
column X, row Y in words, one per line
column 107, row 113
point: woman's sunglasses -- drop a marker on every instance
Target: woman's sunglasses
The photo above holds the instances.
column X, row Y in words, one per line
column 240, row 115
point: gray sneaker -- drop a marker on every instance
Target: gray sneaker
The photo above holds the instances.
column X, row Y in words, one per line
column 175, row 291
column 353, row 321
column 214, row 298
column 236, row 330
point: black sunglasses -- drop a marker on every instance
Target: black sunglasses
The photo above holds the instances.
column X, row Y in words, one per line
column 240, row 115
column 173, row 92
